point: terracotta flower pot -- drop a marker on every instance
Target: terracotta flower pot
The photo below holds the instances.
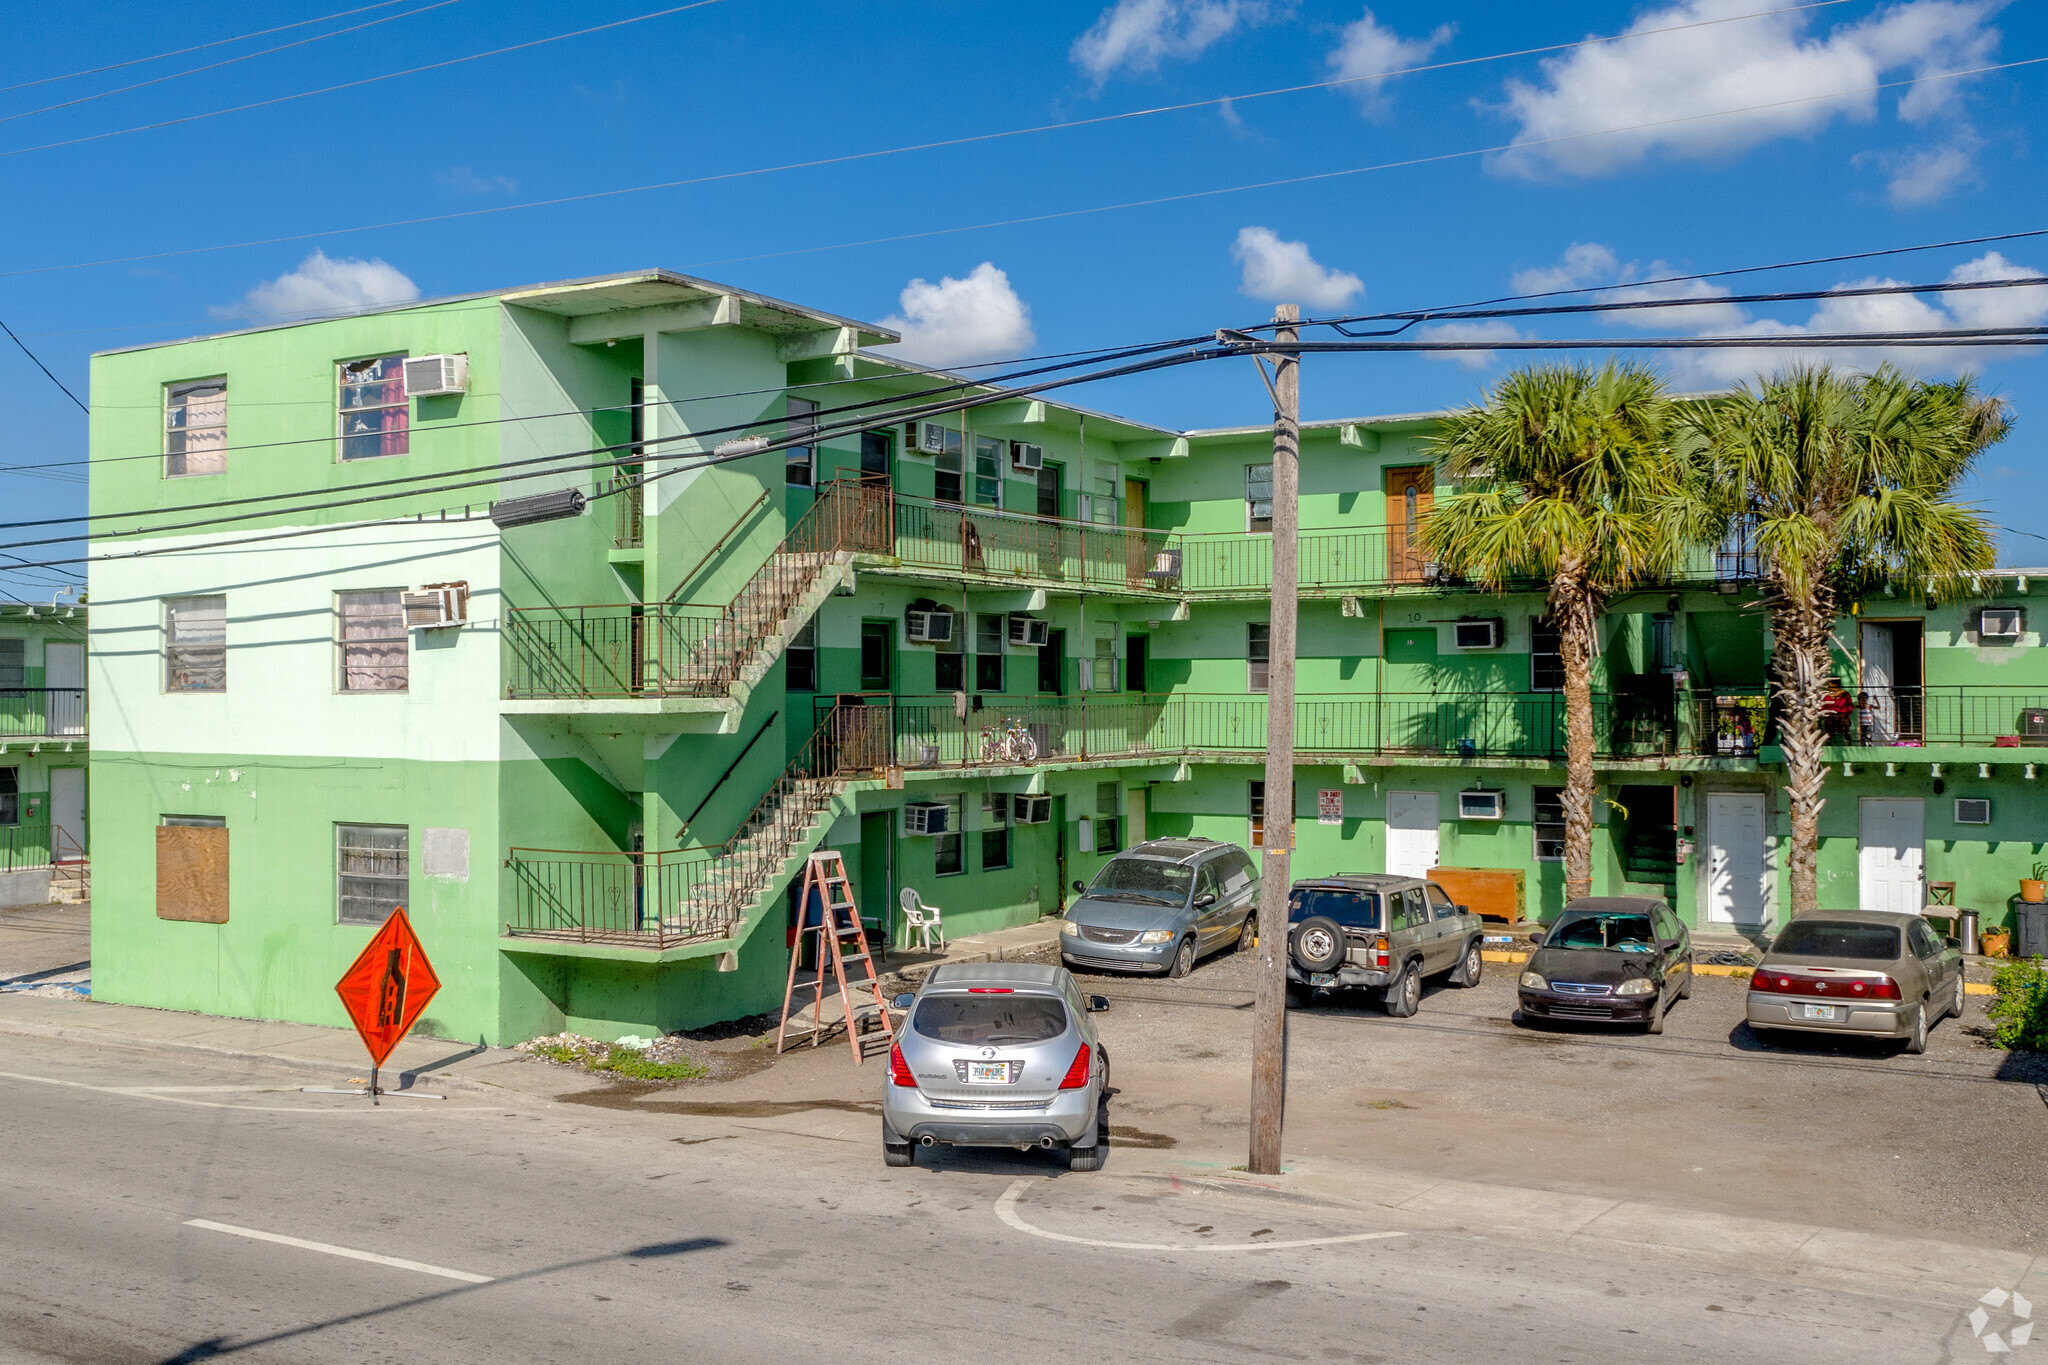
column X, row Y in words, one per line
column 2033, row 892
column 1995, row 942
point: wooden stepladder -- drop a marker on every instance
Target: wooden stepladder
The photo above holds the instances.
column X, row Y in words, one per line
column 827, row 899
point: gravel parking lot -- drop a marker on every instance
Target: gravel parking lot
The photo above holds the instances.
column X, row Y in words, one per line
column 1848, row 1133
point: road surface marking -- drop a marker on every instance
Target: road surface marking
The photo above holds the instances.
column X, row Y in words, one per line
column 1006, row 1209
column 443, row 1271
column 153, row 1092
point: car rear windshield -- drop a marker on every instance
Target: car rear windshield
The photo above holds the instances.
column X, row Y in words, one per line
column 1830, row 938
column 990, row 1018
column 1352, row 909
column 1142, row 877
column 1628, row 933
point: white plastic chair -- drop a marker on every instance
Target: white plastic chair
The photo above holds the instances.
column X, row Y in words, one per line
column 924, row 920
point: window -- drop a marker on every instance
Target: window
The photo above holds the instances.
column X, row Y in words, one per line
column 1049, row 490
column 877, row 648
column 1439, row 902
column 1102, row 668
column 1206, row 883
column 1010, row 1018
column 1258, row 497
column 1106, row 808
column 10, row 796
column 1663, row 655
column 1237, row 872
column 196, row 821
column 949, row 852
column 988, row 471
column 372, row 647
column 1418, row 907
column 374, row 415
column 1546, row 665
column 1258, row 809
column 949, row 664
column 196, row 428
column 995, row 831
column 991, row 635
column 1102, row 505
column 1549, row 824
column 13, row 664
column 800, row 673
column 1831, row 938
column 1051, row 657
column 372, row 871
column 946, row 470
column 800, row 462
column 874, row 454
column 196, row 644
column 1258, row 637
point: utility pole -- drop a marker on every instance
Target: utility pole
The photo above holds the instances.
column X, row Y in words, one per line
column 1269, row 1018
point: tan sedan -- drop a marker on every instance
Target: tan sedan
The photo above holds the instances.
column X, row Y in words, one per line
column 1867, row 973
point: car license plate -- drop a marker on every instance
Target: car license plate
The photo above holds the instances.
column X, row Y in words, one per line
column 1816, row 1011
column 988, row 1073
column 1322, row 978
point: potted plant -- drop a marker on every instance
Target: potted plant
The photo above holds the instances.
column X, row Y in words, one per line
column 2034, row 886
column 1994, row 942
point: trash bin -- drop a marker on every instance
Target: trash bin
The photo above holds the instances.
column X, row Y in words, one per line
column 2029, row 929
column 1966, row 930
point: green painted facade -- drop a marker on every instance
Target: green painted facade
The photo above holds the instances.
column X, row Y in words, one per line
column 626, row 744
column 44, row 744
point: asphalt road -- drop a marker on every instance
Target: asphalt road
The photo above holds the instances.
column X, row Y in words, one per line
column 618, row 1236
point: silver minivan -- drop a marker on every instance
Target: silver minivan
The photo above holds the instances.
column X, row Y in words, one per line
column 997, row 1054
column 1158, row 907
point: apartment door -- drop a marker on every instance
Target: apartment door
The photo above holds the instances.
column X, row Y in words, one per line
column 874, row 456
column 1891, row 842
column 1737, row 875
column 67, row 813
column 64, row 676
column 1890, row 676
column 1134, row 816
column 877, row 655
column 1136, row 561
column 1410, row 491
column 1052, row 656
column 877, row 885
column 1411, row 833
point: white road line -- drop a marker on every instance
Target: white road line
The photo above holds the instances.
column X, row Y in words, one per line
column 443, row 1271
column 1006, row 1209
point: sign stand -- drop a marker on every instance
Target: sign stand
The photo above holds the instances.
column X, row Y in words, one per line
column 384, row 991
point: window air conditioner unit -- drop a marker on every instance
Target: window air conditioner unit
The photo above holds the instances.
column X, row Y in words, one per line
column 931, row 438
column 1973, row 810
column 1026, row 456
column 1033, row 810
column 928, row 627
column 1477, row 634
column 1480, row 805
column 436, row 605
column 1028, row 632
column 427, row 376
column 1999, row 623
column 927, row 817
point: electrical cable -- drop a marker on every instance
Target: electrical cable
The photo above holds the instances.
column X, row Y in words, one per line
column 44, row 368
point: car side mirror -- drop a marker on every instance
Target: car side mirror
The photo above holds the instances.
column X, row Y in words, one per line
column 1082, row 887
column 1665, row 945
column 1097, row 1003
column 1954, row 942
column 1537, row 941
column 904, row 1001
column 1462, row 909
column 1204, row 900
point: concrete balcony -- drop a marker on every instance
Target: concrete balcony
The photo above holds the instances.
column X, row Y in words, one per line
column 42, row 719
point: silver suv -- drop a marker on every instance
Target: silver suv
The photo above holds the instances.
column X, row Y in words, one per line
column 1161, row 905
column 997, row 1054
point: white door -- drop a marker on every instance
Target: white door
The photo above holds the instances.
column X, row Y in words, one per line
column 64, row 676
column 1411, row 833
column 1891, row 838
column 67, row 812
column 1737, row 873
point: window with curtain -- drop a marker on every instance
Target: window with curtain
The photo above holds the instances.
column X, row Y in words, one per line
column 372, row 871
column 1258, row 497
column 195, row 644
column 375, row 417
column 373, row 645
column 196, row 428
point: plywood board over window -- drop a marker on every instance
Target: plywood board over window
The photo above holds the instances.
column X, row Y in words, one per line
column 192, row 873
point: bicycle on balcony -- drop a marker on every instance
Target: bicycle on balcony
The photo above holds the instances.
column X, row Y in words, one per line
column 1008, row 741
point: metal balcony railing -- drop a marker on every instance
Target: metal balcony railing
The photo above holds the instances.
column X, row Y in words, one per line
column 34, row 712
column 985, row 542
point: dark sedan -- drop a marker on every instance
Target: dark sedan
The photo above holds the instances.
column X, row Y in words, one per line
column 1609, row 960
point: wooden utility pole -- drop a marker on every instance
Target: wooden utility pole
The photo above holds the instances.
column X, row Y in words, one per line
column 1269, row 1018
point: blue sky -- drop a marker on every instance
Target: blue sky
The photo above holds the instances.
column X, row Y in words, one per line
column 742, row 84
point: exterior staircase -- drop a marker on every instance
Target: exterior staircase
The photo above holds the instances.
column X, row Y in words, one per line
column 70, row 869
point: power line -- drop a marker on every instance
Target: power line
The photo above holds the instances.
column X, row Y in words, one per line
column 351, row 85
column 44, row 368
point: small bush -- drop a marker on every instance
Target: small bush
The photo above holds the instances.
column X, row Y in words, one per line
column 2021, row 1009
column 632, row 1063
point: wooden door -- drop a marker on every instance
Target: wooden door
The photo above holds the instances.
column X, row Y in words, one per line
column 1135, row 561
column 1410, row 491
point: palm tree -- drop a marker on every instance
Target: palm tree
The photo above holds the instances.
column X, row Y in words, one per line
column 1847, row 481
column 1565, row 474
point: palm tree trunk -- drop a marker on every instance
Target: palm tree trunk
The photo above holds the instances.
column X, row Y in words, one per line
column 1576, row 617
column 1800, row 667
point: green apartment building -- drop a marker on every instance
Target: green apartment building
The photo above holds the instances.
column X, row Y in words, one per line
column 976, row 652
column 43, row 751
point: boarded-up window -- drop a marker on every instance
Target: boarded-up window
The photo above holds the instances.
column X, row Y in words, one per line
column 192, row 869
column 373, row 641
column 196, row 644
column 372, row 868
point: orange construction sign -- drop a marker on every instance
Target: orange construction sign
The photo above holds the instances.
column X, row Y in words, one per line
column 388, row 986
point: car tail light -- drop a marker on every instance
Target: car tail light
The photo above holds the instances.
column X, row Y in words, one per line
column 899, row 1070
column 1380, row 951
column 1780, row 982
column 1077, row 1074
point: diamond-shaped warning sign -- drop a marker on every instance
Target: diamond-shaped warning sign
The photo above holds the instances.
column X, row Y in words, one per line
column 388, row 986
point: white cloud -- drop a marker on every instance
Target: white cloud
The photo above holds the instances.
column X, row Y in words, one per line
column 1583, row 263
column 323, row 284
column 1284, row 272
column 1136, row 35
column 1595, row 263
column 962, row 322
column 1489, row 330
column 1755, row 64
column 465, row 180
column 1370, row 48
column 1929, row 175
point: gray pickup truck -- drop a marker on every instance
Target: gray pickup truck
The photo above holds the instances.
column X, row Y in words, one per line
column 1384, row 933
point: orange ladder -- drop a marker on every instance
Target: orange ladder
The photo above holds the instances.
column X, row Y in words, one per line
column 838, row 922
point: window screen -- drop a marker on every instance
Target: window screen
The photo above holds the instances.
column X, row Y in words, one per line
column 373, row 867
column 373, row 645
column 195, row 644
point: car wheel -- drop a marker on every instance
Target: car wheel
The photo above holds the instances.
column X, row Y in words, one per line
column 1404, row 997
column 1469, row 966
column 1085, row 1158
column 1183, row 959
column 1916, row 1041
column 1685, row 991
column 1248, row 933
column 897, row 1154
column 1955, row 1009
column 1655, row 1023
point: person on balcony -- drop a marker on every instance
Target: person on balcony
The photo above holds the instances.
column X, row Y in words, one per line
column 1835, row 710
column 1874, row 720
